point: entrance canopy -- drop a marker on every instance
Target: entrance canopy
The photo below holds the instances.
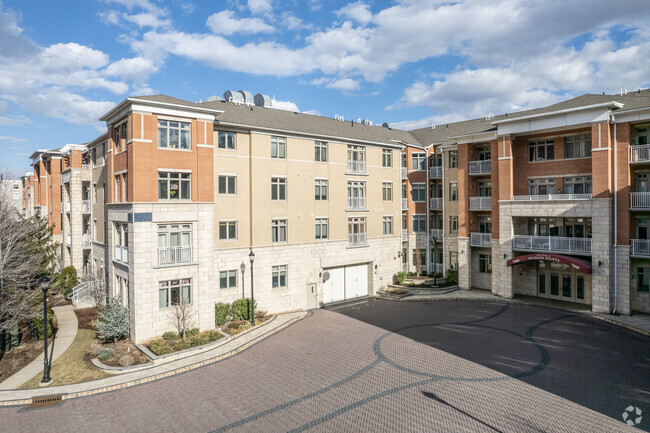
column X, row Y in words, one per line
column 577, row 264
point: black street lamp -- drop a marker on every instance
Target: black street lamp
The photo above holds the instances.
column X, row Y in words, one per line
column 435, row 256
column 252, row 257
column 46, row 365
column 243, row 269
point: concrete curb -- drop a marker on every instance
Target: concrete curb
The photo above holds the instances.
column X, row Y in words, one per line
column 190, row 366
column 623, row 325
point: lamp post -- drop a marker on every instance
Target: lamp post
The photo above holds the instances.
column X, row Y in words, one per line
column 243, row 269
column 46, row 365
column 435, row 256
column 251, row 256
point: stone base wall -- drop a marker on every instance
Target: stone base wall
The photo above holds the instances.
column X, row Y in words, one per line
column 479, row 280
column 464, row 264
column 639, row 301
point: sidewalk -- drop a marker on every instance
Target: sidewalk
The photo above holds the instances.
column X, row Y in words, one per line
column 155, row 372
column 67, row 321
column 638, row 322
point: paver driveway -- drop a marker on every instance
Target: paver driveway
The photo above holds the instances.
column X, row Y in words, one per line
column 333, row 373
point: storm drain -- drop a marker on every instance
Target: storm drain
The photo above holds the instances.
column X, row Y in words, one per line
column 45, row 401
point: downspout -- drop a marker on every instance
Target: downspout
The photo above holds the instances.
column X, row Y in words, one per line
column 442, row 210
column 615, row 218
column 427, row 213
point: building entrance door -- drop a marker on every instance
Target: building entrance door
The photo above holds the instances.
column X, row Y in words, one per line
column 557, row 281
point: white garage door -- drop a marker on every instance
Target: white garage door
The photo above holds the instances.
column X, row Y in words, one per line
column 346, row 282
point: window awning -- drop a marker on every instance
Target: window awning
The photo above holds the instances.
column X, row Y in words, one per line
column 577, row 264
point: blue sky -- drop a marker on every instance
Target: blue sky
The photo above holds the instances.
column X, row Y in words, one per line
column 409, row 62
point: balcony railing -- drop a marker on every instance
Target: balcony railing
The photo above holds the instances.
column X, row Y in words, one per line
column 356, row 239
column 640, row 153
column 85, row 206
column 435, row 203
column 479, row 167
column 172, row 255
column 405, row 235
column 67, row 207
column 480, row 239
column 69, row 240
column 405, row 204
column 640, row 247
column 437, row 234
column 435, row 172
column 553, row 197
column 356, row 167
column 356, row 203
column 480, row 203
column 405, row 267
column 121, row 254
column 640, row 200
column 552, row 244
column 86, row 240
column 405, row 173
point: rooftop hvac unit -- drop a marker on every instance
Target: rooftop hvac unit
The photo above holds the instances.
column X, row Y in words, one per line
column 262, row 100
column 234, row 97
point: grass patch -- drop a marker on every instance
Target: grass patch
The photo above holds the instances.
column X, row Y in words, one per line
column 72, row 367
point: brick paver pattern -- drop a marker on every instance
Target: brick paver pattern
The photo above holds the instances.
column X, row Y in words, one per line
column 332, row 373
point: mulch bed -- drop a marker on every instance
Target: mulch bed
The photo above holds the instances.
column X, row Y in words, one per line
column 19, row 357
column 234, row 326
column 126, row 353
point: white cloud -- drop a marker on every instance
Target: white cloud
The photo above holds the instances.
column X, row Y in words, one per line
column 134, row 69
column 147, row 19
column 285, row 105
column 357, row 11
column 292, row 22
column 259, row 6
column 14, row 120
column 13, row 139
column 224, row 23
column 312, row 112
column 343, row 84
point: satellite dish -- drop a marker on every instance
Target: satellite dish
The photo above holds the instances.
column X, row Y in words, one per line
column 326, row 276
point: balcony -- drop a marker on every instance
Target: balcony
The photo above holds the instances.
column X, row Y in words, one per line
column 640, row 248
column 480, row 239
column 174, row 255
column 67, row 207
column 85, row 206
column 356, row 167
column 405, row 204
column 640, row 200
column 640, row 153
column 552, row 197
column 405, row 235
column 405, row 173
column 479, row 167
column 435, row 203
column 356, row 203
column 435, row 172
column 69, row 240
column 356, row 239
column 86, row 241
column 121, row 254
column 436, row 234
column 552, row 244
column 480, row 203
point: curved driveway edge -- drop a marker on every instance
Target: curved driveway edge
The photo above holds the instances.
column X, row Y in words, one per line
column 177, row 366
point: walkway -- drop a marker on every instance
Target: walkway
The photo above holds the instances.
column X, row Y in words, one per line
column 68, row 325
column 162, row 368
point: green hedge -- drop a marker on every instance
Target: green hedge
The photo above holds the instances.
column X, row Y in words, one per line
column 241, row 309
column 452, row 275
column 221, row 313
column 400, row 277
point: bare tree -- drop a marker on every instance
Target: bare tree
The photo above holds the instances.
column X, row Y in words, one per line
column 181, row 316
column 417, row 261
column 95, row 290
column 27, row 253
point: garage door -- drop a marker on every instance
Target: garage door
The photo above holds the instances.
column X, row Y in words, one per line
column 346, row 282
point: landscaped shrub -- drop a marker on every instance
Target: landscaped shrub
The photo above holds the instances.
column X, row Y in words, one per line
column 158, row 347
column 452, row 275
column 400, row 277
column 105, row 353
column 221, row 313
column 171, row 335
column 212, row 335
column 241, row 309
column 113, row 323
column 192, row 332
column 127, row 360
column 260, row 313
column 182, row 345
column 242, row 327
column 67, row 280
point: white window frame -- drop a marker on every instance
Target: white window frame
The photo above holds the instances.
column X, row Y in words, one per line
column 277, row 234
column 183, row 128
column 387, row 191
column 577, row 146
column 182, row 177
column 320, row 224
column 421, row 189
column 386, row 158
column 278, row 147
column 321, row 189
column 229, row 273
column 278, row 186
column 229, row 140
column 227, row 187
column 387, row 225
column 228, row 224
column 168, row 287
column 418, row 161
column 320, row 151
column 485, row 263
column 421, row 223
column 278, row 280
column 537, row 145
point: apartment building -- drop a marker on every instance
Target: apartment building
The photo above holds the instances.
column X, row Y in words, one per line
column 552, row 202
column 11, row 190
column 560, row 213
column 27, row 194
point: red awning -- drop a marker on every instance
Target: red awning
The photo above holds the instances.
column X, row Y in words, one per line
column 577, row 264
